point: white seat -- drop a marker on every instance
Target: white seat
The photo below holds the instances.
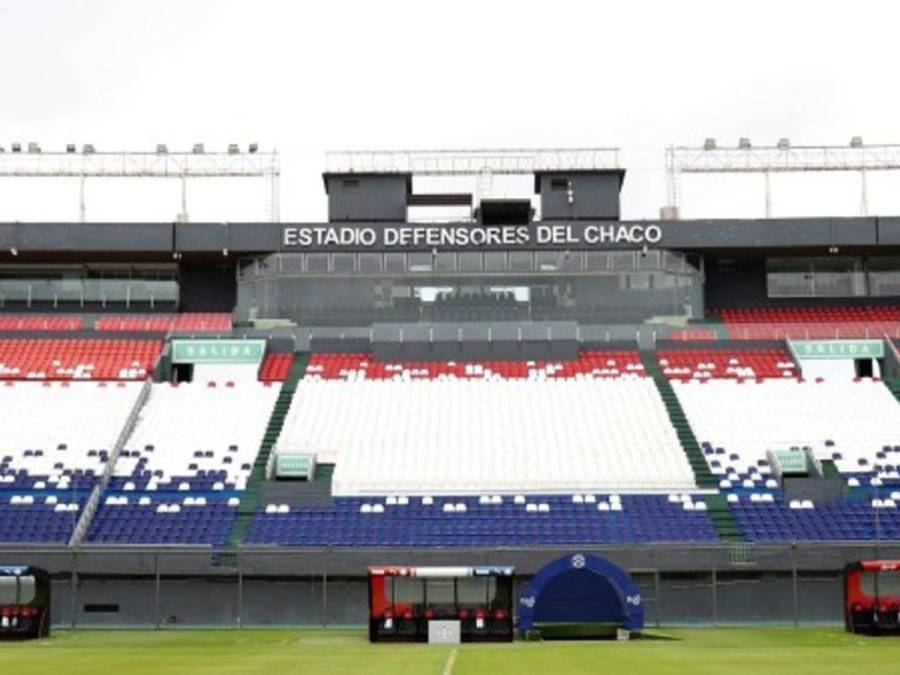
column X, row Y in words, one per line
column 561, row 434
column 854, row 420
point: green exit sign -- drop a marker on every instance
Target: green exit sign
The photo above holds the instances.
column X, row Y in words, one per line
column 838, row 349
column 218, row 351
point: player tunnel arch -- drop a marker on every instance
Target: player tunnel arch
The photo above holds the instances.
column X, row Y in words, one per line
column 581, row 590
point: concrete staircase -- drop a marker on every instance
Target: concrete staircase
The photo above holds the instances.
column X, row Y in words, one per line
column 894, row 386
column 689, row 444
column 717, row 508
column 722, row 518
column 251, row 498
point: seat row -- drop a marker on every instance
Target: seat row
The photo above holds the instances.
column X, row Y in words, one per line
column 701, row 364
column 422, row 436
column 607, row 363
column 854, row 424
column 186, row 322
column 811, row 322
column 78, row 359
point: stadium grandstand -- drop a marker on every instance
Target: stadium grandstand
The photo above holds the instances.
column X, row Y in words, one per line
column 443, row 373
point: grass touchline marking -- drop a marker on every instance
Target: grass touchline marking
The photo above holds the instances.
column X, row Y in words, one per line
column 448, row 667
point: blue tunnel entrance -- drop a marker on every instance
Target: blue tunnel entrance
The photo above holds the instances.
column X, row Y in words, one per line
column 580, row 595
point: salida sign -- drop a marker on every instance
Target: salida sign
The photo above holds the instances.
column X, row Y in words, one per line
column 543, row 235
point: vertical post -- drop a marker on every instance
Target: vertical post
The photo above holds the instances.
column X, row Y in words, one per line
column 81, row 204
column 274, row 189
column 876, row 511
column 156, row 594
column 864, row 202
column 656, row 587
column 183, row 217
column 73, row 590
column 715, row 597
column 795, row 585
column 768, row 195
column 240, row 586
column 325, row 591
column 671, row 177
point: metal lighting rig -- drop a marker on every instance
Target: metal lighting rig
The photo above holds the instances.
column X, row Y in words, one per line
column 780, row 158
column 32, row 161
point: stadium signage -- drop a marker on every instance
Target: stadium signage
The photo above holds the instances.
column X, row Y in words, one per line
column 838, row 349
column 470, row 236
column 792, row 462
column 218, row 351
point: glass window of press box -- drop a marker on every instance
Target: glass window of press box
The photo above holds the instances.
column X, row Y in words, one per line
column 359, row 289
column 833, row 277
column 85, row 285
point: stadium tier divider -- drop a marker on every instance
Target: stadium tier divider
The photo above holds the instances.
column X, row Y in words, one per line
column 90, row 508
column 251, row 497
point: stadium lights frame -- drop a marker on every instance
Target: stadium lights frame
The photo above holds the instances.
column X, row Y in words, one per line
column 780, row 158
column 158, row 163
column 466, row 162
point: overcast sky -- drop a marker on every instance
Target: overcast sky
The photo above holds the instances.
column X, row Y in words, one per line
column 306, row 77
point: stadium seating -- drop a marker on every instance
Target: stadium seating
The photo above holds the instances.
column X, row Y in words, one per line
column 32, row 322
column 773, row 519
column 195, row 436
column 145, row 519
column 693, row 334
column 59, row 435
column 811, row 322
column 701, row 364
column 488, row 520
column 594, row 364
column 276, row 367
column 737, row 422
column 45, row 518
column 78, row 359
column 455, row 428
column 187, row 322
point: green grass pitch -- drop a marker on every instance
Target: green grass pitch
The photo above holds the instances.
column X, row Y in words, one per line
column 333, row 652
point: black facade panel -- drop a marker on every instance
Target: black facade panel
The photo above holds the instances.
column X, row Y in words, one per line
column 208, row 285
column 580, row 195
column 771, row 233
column 255, row 236
column 358, row 197
column 235, row 237
column 735, row 283
column 93, row 236
column 195, row 237
column 103, row 239
column 889, row 231
column 7, row 235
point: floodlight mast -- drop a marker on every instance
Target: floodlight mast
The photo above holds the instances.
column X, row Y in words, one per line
column 162, row 163
column 781, row 158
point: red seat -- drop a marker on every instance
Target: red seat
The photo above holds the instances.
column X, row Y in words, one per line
column 78, row 359
column 607, row 363
column 811, row 322
column 187, row 322
column 275, row 367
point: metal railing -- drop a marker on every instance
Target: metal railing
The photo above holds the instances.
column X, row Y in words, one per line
column 90, row 508
column 476, row 161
